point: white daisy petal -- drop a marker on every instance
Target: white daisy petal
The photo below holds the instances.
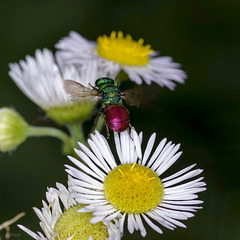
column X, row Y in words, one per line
column 86, row 190
column 180, row 197
column 182, row 208
column 125, row 146
column 75, row 182
column 192, row 202
column 84, row 168
column 81, row 200
column 131, row 223
column 112, row 216
column 157, row 152
column 121, row 221
column 106, row 207
column 140, row 225
column 174, row 221
column 93, row 158
column 122, row 146
column 190, row 174
column 137, row 142
column 97, row 219
column 148, row 148
column 83, row 177
column 152, row 225
column 29, row 232
column 161, row 170
column 161, row 158
column 170, row 155
column 178, row 173
column 132, row 152
column 118, row 146
column 103, row 150
column 98, row 154
column 173, row 213
column 110, row 212
column 185, row 187
column 158, row 217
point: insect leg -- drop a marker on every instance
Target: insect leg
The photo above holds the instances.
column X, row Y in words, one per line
column 107, row 131
column 128, row 129
column 117, row 79
column 96, row 120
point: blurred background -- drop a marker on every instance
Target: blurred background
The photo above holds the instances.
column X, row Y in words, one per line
column 203, row 114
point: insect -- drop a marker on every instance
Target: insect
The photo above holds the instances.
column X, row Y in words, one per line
column 115, row 114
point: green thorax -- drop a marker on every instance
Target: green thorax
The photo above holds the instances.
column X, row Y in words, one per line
column 110, row 93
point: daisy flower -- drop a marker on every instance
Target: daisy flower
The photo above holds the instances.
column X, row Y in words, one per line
column 41, row 80
column 67, row 223
column 116, row 53
column 134, row 190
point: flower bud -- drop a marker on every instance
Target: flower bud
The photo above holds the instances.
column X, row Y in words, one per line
column 13, row 129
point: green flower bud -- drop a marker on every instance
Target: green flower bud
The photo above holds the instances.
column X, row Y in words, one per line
column 13, row 129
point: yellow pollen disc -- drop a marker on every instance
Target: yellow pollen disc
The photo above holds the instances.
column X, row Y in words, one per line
column 72, row 223
column 133, row 188
column 123, row 50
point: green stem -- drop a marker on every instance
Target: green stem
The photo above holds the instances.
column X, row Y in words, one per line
column 76, row 131
column 50, row 132
column 100, row 124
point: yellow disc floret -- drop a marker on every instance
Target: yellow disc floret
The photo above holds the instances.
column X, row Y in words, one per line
column 77, row 225
column 123, row 50
column 133, row 188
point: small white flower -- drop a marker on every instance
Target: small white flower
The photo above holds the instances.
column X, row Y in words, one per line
column 57, row 222
column 134, row 190
column 116, row 53
column 41, row 80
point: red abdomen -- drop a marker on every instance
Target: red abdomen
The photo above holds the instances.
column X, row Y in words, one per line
column 117, row 117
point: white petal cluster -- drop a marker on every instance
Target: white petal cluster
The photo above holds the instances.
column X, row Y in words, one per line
column 78, row 51
column 48, row 218
column 52, row 210
column 179, row 200
column 41, row 79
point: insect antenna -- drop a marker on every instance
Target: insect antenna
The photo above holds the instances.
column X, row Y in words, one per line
column 118, row 77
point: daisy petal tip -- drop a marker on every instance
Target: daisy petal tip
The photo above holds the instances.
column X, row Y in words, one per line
column 82, row 210
column 96, row 219
column 20, row 226
column 143, row 233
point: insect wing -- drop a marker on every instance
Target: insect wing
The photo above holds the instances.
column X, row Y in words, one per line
column 80, row 93
column 133, row 96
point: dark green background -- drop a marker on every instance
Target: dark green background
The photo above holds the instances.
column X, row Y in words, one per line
column 202, row 114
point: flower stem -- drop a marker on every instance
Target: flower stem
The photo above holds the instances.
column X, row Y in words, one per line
column 51, row 132
column 100, row 123
column 76, row 131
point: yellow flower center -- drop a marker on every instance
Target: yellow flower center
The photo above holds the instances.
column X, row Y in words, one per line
column 133, row 188
column 123, row 50
column 72, row 223
column 70, row 113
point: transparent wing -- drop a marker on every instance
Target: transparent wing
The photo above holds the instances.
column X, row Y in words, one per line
column 133, row 96
column 80, row 93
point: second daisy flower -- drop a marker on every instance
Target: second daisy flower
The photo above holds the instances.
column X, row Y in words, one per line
column 134, row 190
